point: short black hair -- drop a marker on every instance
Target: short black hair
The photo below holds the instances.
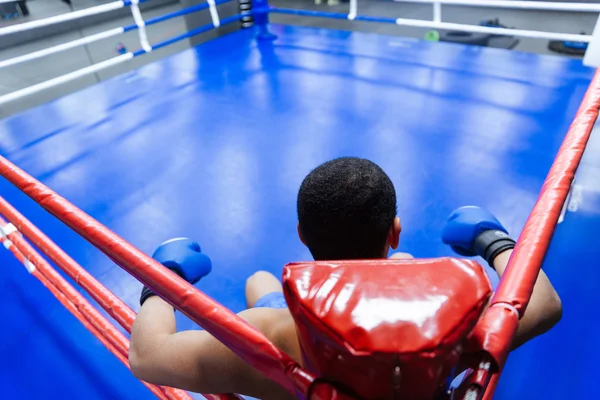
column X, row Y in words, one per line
column 345, row 209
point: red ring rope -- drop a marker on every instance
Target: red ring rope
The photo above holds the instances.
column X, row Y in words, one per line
column 517, row 283
column 251, row 345
column 116, row 308
column 247, row 342
column 526, row 260
column 112, row 339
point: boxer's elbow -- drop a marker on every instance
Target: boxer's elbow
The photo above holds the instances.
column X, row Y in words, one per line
column 548, row 314
column 141, row 365
column 553, row 312
column 545, row 307
column 136, row 364
column 541, row 316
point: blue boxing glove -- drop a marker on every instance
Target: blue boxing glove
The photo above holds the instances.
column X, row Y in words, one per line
column 472, row 231
column 182, row 256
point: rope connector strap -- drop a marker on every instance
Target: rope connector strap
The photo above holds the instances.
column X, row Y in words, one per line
column 8, row 229
column 141, row 24
column 214, row 14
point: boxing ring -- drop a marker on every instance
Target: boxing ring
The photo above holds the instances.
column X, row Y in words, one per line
column 213, row 142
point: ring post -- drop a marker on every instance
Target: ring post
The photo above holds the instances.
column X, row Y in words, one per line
column 260, row 10
column 245, row 7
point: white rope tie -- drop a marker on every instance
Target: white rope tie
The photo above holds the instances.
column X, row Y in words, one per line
column 141, row 24
column 6, row 230
column 214, row 14
column 353, row 10
column 29, row 266
column 509, row 307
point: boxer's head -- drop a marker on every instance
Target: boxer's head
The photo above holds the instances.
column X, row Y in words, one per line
column 347, row 210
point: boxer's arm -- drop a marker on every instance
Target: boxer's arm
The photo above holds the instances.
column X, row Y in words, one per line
column 195, row 360
column 544, row 309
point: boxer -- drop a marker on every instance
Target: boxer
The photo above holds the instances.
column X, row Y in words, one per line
column 346, row 210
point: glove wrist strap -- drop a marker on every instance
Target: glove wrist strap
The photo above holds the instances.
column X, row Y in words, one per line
column 490, row 243
column 146, row 294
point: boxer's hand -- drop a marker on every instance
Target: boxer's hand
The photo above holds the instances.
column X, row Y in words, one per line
column 184, row 257
column 472, row 231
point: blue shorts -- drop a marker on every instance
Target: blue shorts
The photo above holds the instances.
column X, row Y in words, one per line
column 272, row 300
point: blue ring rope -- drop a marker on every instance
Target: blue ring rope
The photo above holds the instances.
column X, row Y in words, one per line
column 193, row 32
column 309, row 13
column 129, row 3
column 175, row 14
